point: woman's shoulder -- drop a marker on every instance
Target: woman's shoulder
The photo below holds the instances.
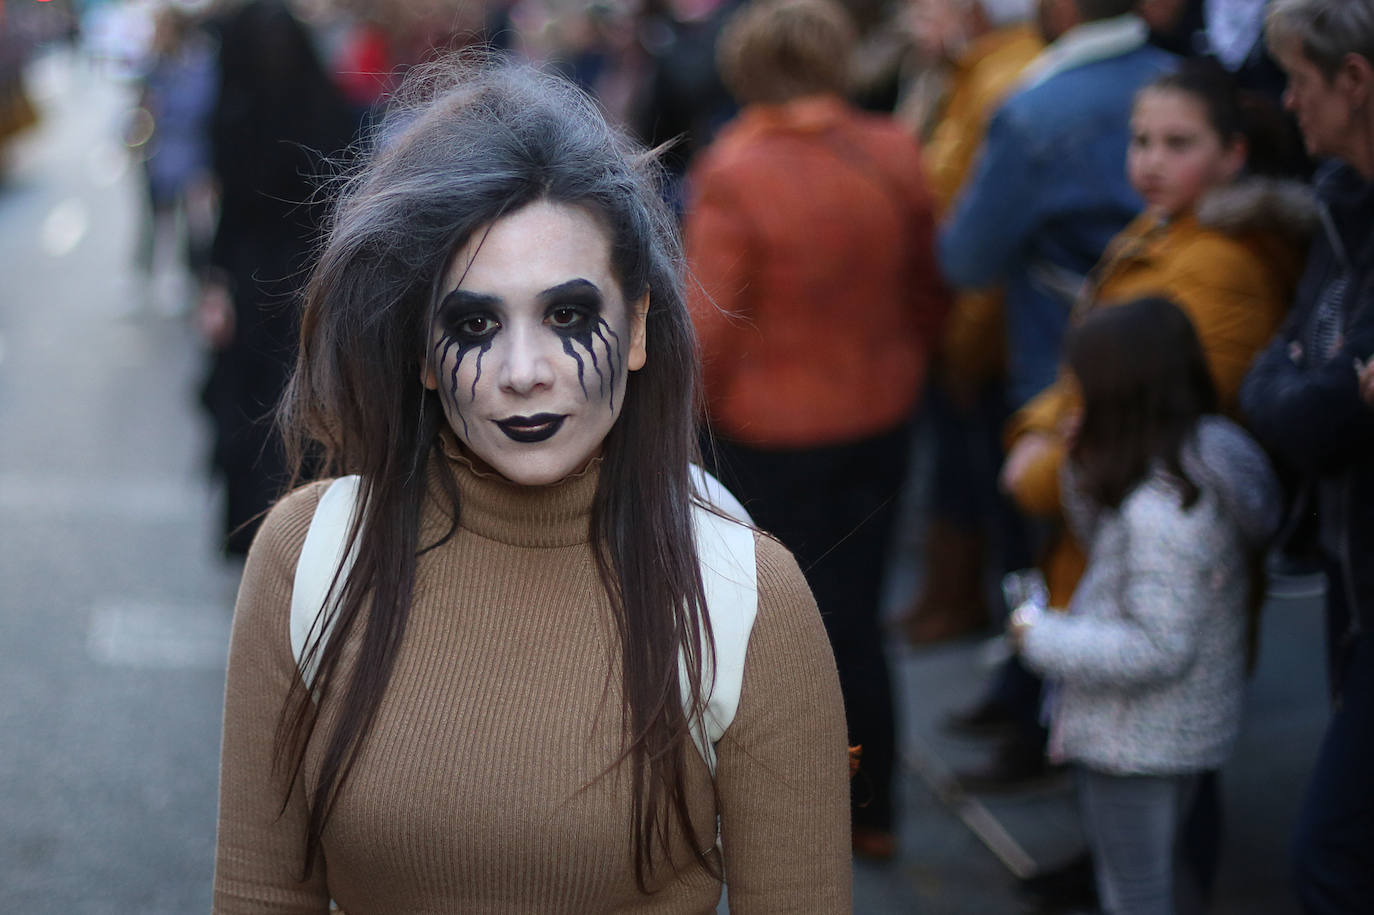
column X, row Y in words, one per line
column 283, row 530
column 778, row 571
column 262, row 612
column 785, row 599
column 788, row 641
column 1214, row 253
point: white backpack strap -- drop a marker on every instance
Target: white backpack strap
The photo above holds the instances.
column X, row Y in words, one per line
column 322, row 556
column 725, row 549
column 717, row 496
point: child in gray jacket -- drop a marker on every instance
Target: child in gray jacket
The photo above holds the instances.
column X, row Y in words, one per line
column 1150, row 658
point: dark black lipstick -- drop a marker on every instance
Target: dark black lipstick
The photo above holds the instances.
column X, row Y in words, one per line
column 529, row 429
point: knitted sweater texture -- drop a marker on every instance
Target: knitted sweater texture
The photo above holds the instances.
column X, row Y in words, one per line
column 489, row 782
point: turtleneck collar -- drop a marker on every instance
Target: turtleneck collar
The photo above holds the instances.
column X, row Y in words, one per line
column 493, row 507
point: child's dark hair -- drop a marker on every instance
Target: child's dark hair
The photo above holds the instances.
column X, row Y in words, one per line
column 1274, row 144
column 1145, row 384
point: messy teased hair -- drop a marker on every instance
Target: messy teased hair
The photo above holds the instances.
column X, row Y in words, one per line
column 772, row 51
column 1145, row 384
column 1325, row 30
column 466, row 141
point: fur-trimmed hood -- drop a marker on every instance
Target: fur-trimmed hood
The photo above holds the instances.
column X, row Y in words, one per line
column 1279, row 206
column 1232, row 265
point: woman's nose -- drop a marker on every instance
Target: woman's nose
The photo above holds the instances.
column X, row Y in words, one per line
column 525, row 366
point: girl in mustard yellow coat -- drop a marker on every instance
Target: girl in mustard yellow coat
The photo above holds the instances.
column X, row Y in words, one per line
column 1220, row 235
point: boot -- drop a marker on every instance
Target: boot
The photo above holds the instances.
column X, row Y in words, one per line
column 952, row 601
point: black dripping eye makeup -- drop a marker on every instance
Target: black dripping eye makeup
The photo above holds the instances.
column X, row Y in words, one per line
column 468, row 316
column 577, row 316
column 466, row 323
column 573, row 307
column 470, row 321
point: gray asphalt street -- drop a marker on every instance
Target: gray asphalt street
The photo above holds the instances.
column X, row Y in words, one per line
column 115, row 608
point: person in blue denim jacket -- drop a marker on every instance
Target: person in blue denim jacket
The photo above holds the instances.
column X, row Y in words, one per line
column 1050, row 191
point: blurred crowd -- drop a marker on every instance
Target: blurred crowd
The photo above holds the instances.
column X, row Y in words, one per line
column 1077, row 250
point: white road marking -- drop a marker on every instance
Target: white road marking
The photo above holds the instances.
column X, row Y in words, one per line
column 153, row 636
column 65, row 226
column 979, row 820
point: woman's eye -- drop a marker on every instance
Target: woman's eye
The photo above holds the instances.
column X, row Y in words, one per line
column 476, row 327
column 566, row 317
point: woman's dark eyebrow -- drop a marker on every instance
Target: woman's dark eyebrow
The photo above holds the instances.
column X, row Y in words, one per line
column 578, row 287
column 467, row 299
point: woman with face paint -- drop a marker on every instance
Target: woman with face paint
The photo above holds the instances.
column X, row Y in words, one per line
column 497, row 710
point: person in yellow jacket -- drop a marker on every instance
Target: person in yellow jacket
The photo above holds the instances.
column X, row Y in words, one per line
column 1221, row 236
column 984, row 47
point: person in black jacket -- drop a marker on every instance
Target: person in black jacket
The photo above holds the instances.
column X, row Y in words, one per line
column 1302, row 399
column 277, row 120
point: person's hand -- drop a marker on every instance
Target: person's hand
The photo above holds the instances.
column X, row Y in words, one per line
column 1364, row 369
column 1025, row 453
column 215, row 314
column 1020, row 623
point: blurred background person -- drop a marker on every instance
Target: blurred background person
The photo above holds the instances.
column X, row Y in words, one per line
column 17, row 112
column 1227, row 31
column 1303, row 401
column 1149, row 660
column 1046, row 196
column 685, row 101
column 983, row 46
column 276, row 120
column 171, row 133
column 809, row 232
column 1222, row 236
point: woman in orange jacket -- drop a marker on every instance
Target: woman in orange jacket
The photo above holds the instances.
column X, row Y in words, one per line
column 810, row 233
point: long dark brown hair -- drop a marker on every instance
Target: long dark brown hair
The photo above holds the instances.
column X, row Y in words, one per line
column 466, row 141
column 1145, row 384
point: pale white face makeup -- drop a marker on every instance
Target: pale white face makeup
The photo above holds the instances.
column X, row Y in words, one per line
column 532, row 343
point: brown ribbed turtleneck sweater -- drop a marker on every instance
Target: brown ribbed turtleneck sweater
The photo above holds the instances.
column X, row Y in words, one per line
column 481, row 788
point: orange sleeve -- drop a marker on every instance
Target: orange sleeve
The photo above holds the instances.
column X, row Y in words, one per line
column 1044, row 412
column 1036, row 489
column 931, row 298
